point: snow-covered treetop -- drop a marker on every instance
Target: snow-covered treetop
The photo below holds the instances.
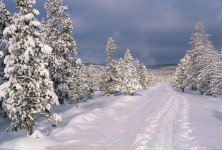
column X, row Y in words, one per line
column 79, row 66
column 199, row 36
column 110, row 49
column 25, row 20
column 4, row 18
column 59, row 28
column 51, row 11
column 200, row 43
column 128, row 58
column 67, row 35
column 55, row 12
column 199, row 27
column 23, row 4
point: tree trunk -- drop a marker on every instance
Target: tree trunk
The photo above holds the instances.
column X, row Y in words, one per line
column 28, row 129
column 182, row 89
column 77, row 102
column 201, row 93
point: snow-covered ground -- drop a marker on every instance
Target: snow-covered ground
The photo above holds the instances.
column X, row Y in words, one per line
column 158, row 118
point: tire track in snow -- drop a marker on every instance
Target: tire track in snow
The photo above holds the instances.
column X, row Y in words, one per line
column 147, row 122
column 184, row 136
column 161, row 132
column 167, row 131
column 129, row 125
column 175, row 135
column 160, row 126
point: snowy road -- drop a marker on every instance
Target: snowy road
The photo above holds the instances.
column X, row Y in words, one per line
column 137, row 123
column 156, row 119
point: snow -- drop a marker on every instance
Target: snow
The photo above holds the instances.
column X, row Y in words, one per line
column 47, row 49
column 157, row 118
column 36, row 12
column 9, row 30
column 37, row 134
column 36, row 23
column 28, row 16
column 2, row 89
column 1, row 54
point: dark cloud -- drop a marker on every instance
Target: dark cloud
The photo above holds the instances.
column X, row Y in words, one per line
column 155, row 31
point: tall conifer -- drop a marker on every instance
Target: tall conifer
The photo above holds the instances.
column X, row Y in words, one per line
column 59, row 35
column 30, row 90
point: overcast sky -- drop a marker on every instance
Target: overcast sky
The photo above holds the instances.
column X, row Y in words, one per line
column 156, row 31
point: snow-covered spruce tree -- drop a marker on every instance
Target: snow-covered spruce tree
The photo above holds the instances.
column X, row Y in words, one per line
column 143, row 76
column 110, row 49
column 5, row 21
column 101, row 71
column 180, row 73
column 92, row 84
column 137, row 64
column 198, row 48
column 5, row 18
column 129, row 83
column 110, row 77
column 120, row 67
column 79, row 78
column 30, row 90
column 59, row 35
column 216, row 79
column 110, row 80
column 207, row 72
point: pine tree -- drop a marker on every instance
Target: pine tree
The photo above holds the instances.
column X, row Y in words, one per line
column 5, row 18
column 58, row 35
column 110, row 49
column 5, row 21
column 129, row 84
column 205, row 76
column 30, row 91
column 198, row 43
column 137, row 64
column 216, row 78
column 180, row 74
column 79, row 88
column 110, row 77
column 93, row 78
column 143, row 76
